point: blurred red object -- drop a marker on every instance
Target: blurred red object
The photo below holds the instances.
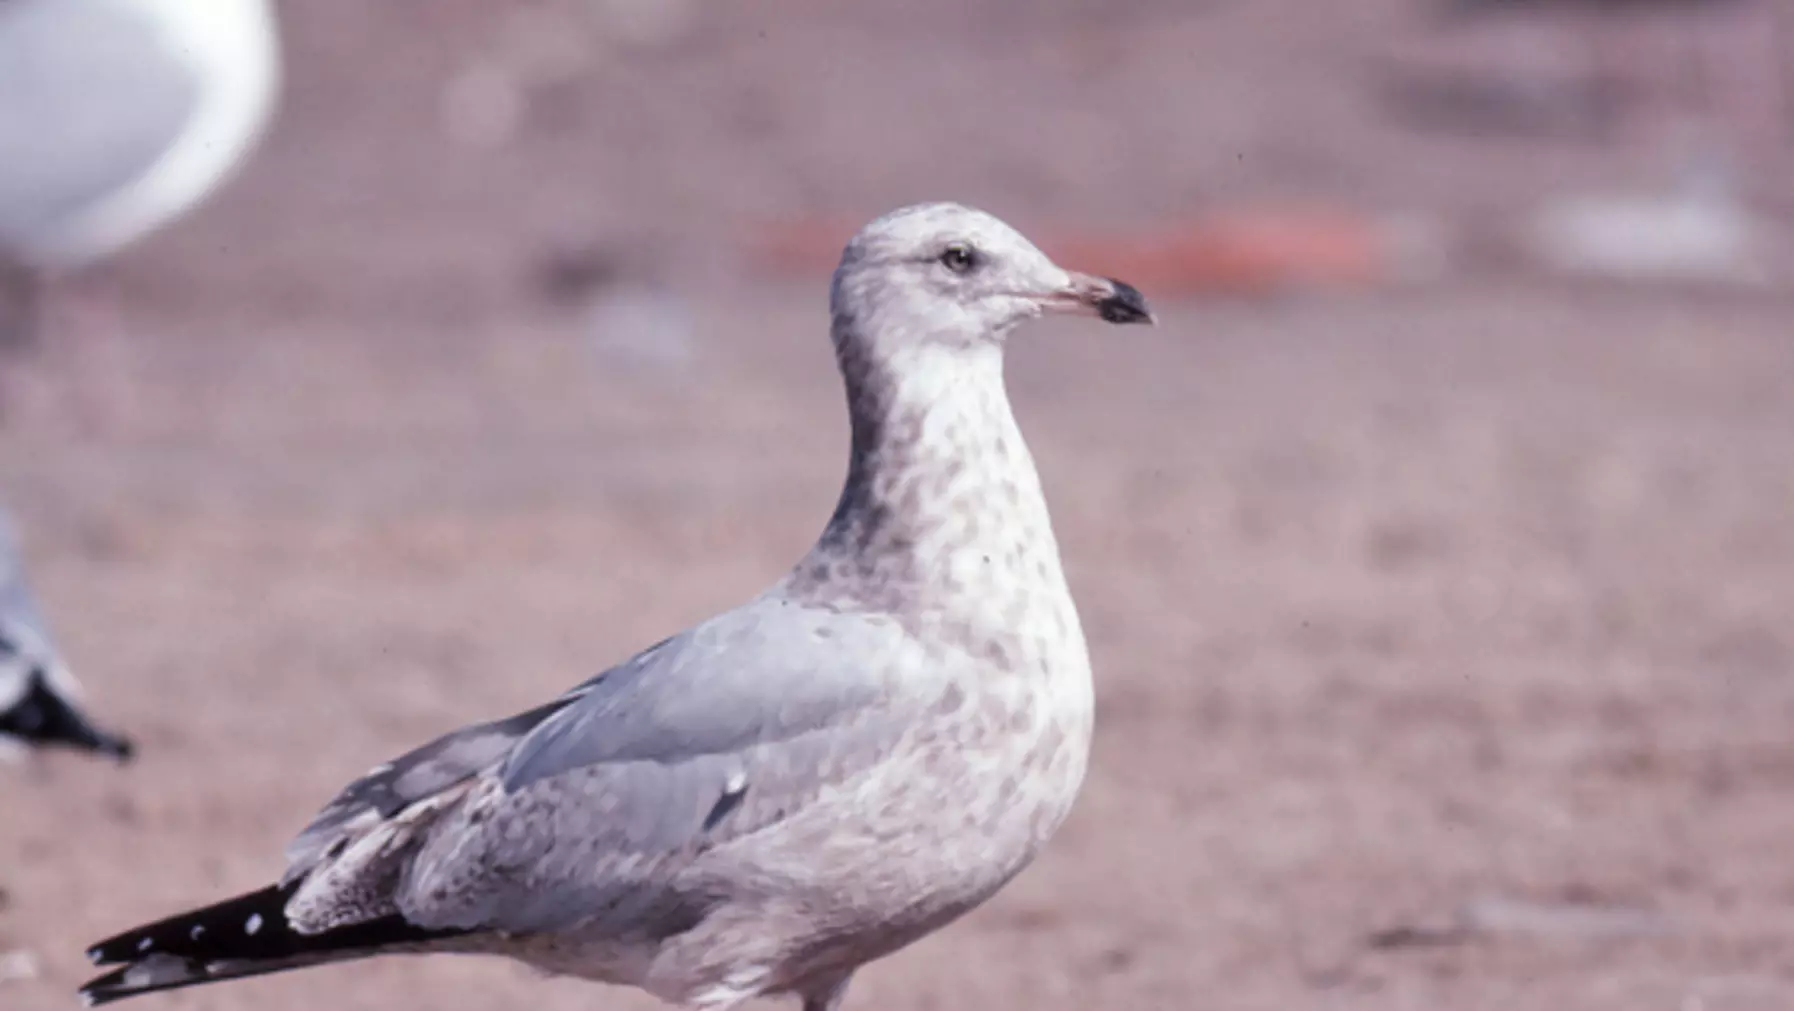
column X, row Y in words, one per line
column 1248, row 252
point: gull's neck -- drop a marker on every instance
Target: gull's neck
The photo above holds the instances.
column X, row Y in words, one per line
column 942, row 502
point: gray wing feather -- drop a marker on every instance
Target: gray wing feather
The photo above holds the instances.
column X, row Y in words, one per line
column 604, row 844
column 742, row 679
column 579, row 811
column 711, row 735
column 417, row 775
column 89, row 99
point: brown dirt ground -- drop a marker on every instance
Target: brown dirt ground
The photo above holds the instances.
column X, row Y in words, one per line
column 1398, row 602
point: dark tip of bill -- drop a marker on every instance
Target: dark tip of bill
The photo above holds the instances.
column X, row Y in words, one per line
column 1127, row 305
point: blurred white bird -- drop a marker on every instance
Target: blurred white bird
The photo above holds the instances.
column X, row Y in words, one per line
column 37, row 692
column 117, row 116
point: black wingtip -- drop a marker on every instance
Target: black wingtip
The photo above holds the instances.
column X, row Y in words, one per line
column 248, row 935
column 43, row 717
column 250, row 925
column 120, row 749
column 103, row 989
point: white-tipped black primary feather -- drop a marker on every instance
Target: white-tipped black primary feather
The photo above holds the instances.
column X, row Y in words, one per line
column 249, row 935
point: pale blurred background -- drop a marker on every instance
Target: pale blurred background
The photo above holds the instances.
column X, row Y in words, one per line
column 1435, row 551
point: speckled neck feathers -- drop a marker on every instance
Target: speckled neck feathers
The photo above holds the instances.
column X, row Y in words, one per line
column 941, row 499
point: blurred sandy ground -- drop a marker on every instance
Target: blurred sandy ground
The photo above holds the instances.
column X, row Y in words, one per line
column 1442, row 632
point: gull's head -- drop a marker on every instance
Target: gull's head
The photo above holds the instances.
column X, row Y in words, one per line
column 945, row 273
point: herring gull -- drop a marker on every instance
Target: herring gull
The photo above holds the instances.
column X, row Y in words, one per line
column 761, row 804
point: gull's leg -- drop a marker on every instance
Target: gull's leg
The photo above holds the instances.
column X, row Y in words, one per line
column 20, row 307
column 826, row 994
column 21, row 313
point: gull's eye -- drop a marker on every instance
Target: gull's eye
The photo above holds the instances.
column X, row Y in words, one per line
column 960, row 258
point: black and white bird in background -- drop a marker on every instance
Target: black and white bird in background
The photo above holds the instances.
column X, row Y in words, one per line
column 38, row 696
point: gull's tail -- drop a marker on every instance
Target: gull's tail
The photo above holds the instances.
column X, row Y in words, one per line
column 245, row 936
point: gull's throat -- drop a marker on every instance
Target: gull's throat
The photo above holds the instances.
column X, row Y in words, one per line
column 941, row 492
